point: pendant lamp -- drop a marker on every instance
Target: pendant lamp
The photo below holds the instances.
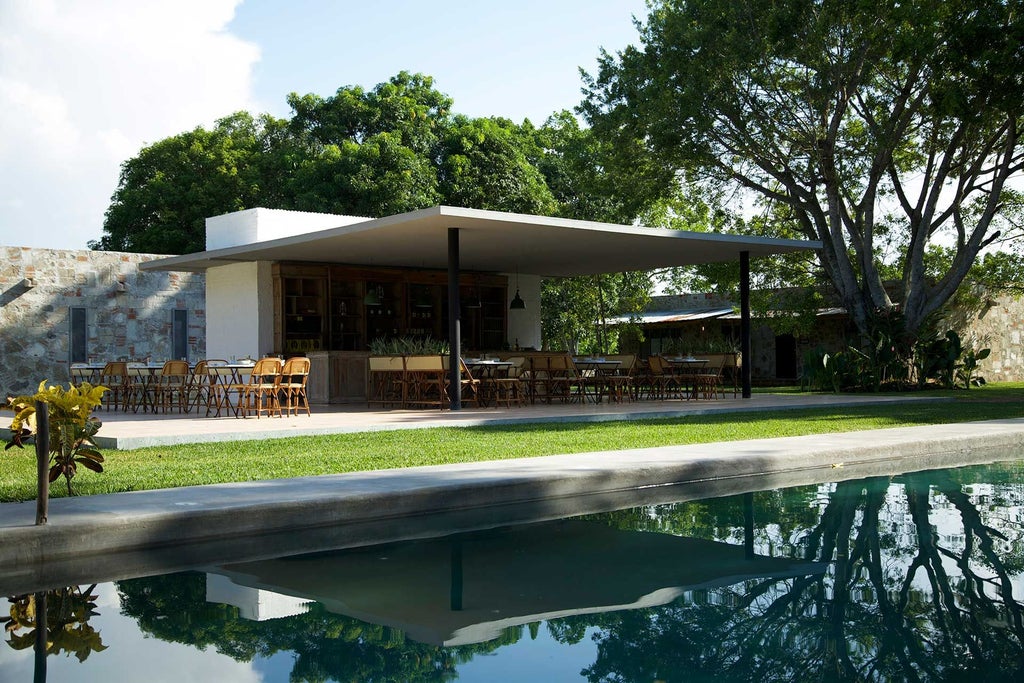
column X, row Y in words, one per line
column 517, row 303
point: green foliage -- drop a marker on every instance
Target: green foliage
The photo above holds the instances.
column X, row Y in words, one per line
column 889, row 361
column 389, row 150
column 408, row 346
column 165, row 194
column 71, row 428
column 947, row 361
column 832, row 114
column 575, row 311
column 485, row 165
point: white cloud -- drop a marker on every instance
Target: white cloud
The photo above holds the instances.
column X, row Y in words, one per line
column 84, row 85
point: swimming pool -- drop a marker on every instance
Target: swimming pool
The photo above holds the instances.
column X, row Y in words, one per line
column 909, row 576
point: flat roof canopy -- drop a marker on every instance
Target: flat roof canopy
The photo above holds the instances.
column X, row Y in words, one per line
column 492, row 241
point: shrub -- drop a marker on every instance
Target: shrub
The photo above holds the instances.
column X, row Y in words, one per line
column 71, row 427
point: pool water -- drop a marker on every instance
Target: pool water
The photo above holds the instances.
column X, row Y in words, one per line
column 906, row 577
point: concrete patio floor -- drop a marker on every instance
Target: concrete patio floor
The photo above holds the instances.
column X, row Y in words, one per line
column 136, row 430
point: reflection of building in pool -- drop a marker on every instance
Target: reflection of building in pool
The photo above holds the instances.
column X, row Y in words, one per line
column 252, row 603
column 468, row 589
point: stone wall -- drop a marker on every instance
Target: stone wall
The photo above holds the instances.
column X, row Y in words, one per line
column 128, row 312
column 998, row 326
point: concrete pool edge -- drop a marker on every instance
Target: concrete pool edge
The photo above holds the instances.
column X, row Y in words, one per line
column 91, row 533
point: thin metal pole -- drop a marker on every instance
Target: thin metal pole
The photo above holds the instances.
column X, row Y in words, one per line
column 748, row 525
column 454, row 322
column 42, row 462
column 42, row 637
column 745, row 347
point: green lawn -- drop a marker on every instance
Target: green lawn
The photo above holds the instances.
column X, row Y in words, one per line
column 173, row 466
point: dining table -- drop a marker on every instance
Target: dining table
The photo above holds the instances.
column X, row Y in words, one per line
column 487, row 370
column 591, row 371
column 685, row 368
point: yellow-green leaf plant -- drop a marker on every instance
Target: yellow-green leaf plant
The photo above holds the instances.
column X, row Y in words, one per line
column 72, row 428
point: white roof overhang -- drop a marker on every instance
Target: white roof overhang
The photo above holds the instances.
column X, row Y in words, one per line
column 492, row 241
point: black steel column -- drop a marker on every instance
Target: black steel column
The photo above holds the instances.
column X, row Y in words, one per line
column 748, row 525
column 454, row 322
column 455, row 593
column 745, row 357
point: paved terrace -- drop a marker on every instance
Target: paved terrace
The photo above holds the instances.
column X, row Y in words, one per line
column 102, row 538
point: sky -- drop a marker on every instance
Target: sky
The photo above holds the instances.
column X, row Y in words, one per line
column 86, row 84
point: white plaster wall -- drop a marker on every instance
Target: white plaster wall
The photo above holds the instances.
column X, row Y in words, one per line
column 260, row 225
column 239, row 310
column 524, row 325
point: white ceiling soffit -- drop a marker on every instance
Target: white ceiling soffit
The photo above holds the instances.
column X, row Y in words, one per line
column 492, row 241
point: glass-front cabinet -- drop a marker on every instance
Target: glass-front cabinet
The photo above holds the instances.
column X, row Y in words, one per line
column 344, row 308
column 346, row 305
column 303, row 314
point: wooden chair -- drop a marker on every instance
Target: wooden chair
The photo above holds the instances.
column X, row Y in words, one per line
column 564, row 380
column 425, row 381
column 199, row 385
column 114, row 376
column 386, row 381
column 620, row 382
column 294, row 376
column 511, row 388
column 261, row 393
column 661, row 382
column 81, row 372
column 171, row 385
column 471, row 386
column 708, row 380
column 538, row 378
column 226, row 389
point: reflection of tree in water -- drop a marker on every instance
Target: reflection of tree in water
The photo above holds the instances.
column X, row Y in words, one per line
column 881, row 613
column 326, row 646
column 66, row 620
column 891, row 607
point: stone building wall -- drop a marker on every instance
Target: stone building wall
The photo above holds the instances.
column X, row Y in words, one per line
column 128, row 313
column 998, row 326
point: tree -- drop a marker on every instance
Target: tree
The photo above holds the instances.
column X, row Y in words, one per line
column 165, row 194
column 373, row 153
column 841, row 111
column 485, row 165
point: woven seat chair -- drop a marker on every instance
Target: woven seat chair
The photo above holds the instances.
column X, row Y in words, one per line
column 294, row 376
column 114, row 376
column 261, row 393
column 170, row 387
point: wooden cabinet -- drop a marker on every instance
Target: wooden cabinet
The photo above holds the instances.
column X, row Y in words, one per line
column 492, row 318
column 385, row 310
column 425, row 305
column 337, row 377
column 303, row 314
column 344, row 308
